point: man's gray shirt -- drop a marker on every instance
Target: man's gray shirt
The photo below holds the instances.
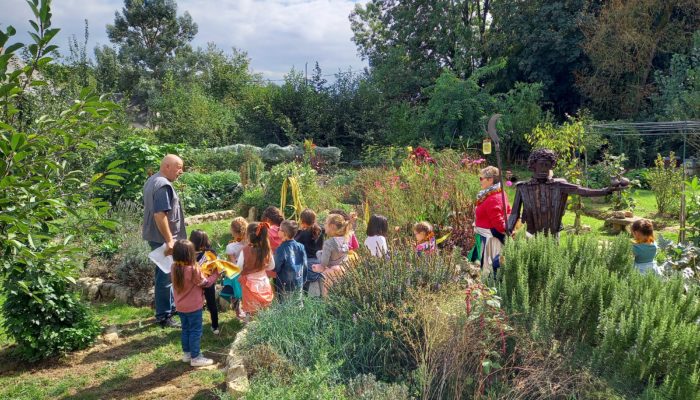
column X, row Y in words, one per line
column 159, row 196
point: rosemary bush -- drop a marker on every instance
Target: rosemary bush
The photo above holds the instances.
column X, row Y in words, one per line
column 643, row 330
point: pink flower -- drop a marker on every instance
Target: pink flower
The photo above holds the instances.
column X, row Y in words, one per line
column 445, row 195
column 509, row 183
column 377, row 184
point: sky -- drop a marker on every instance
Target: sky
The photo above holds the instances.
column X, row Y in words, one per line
column 276, row 34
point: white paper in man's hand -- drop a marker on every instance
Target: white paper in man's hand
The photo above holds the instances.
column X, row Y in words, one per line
column 163, row 262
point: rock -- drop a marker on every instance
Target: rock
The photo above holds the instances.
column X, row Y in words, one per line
column 111, row 335
column 89, row 287
column 252, row 214
column 123, row 294
column 329, row 154
column 214, row 216
column 143, row 298
column 237, row 384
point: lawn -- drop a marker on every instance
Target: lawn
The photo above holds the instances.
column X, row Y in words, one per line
column 144, row 363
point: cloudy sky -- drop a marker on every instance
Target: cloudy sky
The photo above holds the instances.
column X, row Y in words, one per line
column 277, row 34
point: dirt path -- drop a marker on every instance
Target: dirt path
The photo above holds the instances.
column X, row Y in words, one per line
column 143, row 363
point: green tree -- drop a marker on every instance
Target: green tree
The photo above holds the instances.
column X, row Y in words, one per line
column 542, row 42
column 626, row 41
column 420, row 38
column 43, row 200
column 679, row 87
column 150, row 33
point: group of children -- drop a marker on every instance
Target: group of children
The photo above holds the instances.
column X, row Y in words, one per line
column 299, row 258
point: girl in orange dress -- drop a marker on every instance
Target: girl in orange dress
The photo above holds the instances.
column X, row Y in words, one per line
column 256, row 259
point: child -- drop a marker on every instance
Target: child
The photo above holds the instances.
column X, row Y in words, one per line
column 351, row 218
column 425, row 238
column 273, row 216
column 290, row 262
column 644, row 248
column 187, row 290
column 333, row 255
column 377, row 229
column 255, row 260
column 232, row 288
column 201, row 243
column 311, row 237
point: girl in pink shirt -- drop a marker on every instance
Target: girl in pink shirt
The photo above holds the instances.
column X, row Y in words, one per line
column 188, row 290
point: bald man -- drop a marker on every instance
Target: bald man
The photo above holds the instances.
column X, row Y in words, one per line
column 163, row 223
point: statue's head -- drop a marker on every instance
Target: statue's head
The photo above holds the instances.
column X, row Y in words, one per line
column 541, row 162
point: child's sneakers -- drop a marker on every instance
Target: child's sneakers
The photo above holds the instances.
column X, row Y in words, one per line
column 215, row 330
column 186, row 357
column 200, row 361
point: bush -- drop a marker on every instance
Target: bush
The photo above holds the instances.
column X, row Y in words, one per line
column 666, row 180
column 134, row 268
column 207, row 160
column 141, row 159
column 418, row 191
column 643, row 330
column 252, row 197
column 54, row 323
column 213, row 191
column 306, row 177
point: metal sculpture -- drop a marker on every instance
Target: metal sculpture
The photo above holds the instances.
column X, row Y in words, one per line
column 543, row 198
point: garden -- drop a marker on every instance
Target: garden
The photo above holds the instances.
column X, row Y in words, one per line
column 567, row 316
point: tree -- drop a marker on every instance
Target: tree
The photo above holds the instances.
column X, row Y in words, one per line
column 43, row 200
column 625, row 42
column 542, row 42
column 423, row 37
column 149, row 34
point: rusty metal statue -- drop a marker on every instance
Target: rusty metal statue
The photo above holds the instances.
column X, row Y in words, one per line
column 543, row 198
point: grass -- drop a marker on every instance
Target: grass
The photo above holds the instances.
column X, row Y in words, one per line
column 143, row 364
column 218, row 232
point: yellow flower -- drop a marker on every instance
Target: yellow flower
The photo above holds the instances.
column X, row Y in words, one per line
column 410, row 149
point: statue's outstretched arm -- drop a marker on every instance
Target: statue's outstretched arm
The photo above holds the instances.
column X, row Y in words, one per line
column 514, row 212
column 571, row 188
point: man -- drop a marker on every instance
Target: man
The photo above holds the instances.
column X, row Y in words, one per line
column 543, row 198
column 164, row 223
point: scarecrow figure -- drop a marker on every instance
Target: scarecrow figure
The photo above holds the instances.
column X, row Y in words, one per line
column 543, row 198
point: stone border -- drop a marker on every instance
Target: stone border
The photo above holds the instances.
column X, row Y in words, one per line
column 237, row 384
column 212, row 216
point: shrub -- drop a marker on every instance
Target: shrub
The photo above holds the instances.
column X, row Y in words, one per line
column 306, row 177
column 134, row 268
column 418, row 191
column 43, row 315
column 141, row 159
column 207, row 160
column 252, row 197
column 213, row 191
column 666, row 180
column 643, row 330
column 366, row 387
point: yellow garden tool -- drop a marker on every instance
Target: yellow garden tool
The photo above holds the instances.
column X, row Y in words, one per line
column 292, row 183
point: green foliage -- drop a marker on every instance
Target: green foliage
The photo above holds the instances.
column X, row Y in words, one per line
column 214, row 191
column 252, row 197
column 138, row 158
column 134, row 268
column 643, row 330
column 187, row 114
column 679, row 87
column 609, row 168
column 415, row 192
column 205, row 160
column 319, row 383
column 43, row 314
column 39, row 189
column 666, row 180
column 306, row 177
column 375, row 156
column 149, row 33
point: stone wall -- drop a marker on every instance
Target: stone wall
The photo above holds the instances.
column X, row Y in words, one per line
column 94, row 289
column 212, row 216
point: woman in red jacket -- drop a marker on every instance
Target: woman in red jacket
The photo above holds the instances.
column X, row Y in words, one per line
column 490, row 219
